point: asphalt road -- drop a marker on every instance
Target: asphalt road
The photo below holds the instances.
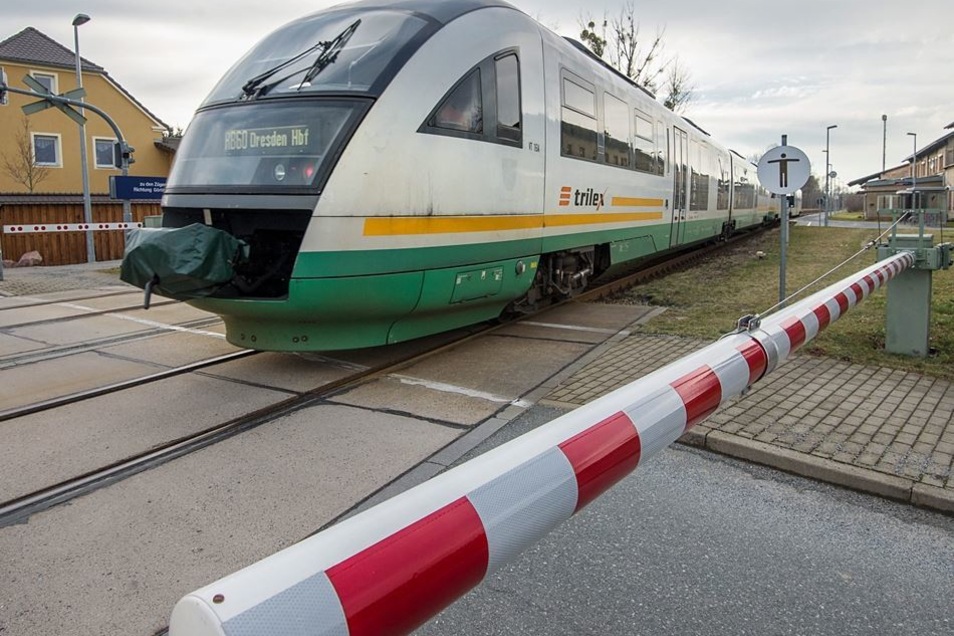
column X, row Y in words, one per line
column 694, row 543
column 816, row 220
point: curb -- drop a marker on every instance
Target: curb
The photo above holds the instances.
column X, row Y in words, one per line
column 825, row 470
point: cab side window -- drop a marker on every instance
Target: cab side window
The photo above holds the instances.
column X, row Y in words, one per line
column 484, row 105
column 508, row 97
column 462, row 109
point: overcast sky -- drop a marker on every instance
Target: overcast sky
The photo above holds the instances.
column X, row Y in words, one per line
column 760, row 68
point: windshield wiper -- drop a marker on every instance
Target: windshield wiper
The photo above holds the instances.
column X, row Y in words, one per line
column 249, row 87
column 329, row 53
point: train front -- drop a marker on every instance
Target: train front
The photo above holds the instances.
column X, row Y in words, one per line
column 250, row 171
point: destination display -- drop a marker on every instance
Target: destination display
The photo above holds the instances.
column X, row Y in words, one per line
column 272, row 145
column 267, row 141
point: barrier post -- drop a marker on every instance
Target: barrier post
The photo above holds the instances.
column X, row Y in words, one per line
column 908, row 326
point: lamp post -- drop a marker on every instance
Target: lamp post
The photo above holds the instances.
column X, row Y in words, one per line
column 884, row 144
column 914, row 172
column 78, row 21
column 827, row 163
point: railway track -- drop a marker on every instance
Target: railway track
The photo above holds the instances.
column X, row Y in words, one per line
column 661, row 267
column 73, row 398
column 45, row 301
column 53, row 351
column 59, row 351
column 85, row 312
column 20, row 508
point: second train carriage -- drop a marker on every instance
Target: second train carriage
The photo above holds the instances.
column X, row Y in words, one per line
column 397, row 170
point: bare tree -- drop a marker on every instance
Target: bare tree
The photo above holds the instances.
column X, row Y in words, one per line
column 20, row 164
column 678, row 87
column 756, row 156
column 553, row 25
column 593, row 39
column 637, row 58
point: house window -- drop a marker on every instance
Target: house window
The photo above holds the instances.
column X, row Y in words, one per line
column 46, row 149
column 47, row 79
column 104, row 150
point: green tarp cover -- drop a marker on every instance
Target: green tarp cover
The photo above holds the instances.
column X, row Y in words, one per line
column 189, row 261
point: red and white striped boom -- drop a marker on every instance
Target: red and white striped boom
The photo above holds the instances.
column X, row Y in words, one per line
column 392, row 567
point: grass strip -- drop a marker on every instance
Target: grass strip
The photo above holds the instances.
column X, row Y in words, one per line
column 705, row 301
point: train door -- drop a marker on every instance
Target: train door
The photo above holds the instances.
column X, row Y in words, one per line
column 680, row 199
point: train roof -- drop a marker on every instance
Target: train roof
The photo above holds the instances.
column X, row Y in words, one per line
column 582, row 48
column 442, row 11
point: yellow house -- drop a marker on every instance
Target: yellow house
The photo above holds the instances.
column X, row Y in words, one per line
column 41, row 153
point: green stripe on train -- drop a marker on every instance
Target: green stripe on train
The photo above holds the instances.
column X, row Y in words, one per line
column 344, row 300
column 625, row 244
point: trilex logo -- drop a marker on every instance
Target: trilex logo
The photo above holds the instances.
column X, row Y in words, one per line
column 588, row 197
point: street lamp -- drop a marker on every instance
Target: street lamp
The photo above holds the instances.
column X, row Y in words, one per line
column 914, row 172
column 78, row 21
column 827, row 163
column 884, row 144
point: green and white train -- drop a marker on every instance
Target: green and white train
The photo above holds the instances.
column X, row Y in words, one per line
column 397, row 170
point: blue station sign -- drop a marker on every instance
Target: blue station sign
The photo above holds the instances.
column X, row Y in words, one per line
column 132, row 188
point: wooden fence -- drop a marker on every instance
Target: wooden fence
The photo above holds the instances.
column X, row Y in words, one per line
column 65, row 247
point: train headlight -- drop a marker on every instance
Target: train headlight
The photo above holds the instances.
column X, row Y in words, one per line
column 280, row 172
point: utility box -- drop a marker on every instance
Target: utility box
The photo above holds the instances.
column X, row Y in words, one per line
column 153, row 220
column 909, row 293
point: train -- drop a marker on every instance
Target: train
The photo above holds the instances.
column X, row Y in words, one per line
column 374, row 173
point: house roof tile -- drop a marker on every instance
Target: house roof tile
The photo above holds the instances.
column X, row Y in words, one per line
column 32, row 46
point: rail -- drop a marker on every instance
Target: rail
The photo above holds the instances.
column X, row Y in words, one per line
column 392, row 567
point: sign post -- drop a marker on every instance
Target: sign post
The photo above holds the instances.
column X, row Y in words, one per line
column 136, row 188
column 782, row 171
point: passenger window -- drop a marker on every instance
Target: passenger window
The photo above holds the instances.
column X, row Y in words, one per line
column 722, row 198
column 578, row 121
column 661, row 145
column 616, row 134
column 462, row 109
column 699, row 178
column 578, row 97
column 644, row 145
column 508, row 98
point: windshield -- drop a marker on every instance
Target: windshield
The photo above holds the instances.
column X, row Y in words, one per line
column 264, row 146
column 358, row 65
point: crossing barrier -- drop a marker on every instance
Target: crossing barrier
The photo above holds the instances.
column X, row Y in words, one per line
column 392, row 567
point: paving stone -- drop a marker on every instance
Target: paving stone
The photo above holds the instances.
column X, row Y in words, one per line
column 884, row 420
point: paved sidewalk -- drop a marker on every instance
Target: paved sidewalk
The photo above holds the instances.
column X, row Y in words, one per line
column 882, row 431
column 28, row 281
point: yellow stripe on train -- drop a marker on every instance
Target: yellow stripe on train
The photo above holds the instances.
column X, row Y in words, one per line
column 409, row 225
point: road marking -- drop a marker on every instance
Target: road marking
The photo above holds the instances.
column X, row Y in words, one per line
column 334, row 362
column 609, row 332
column 451, row 388
column 148, row 323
